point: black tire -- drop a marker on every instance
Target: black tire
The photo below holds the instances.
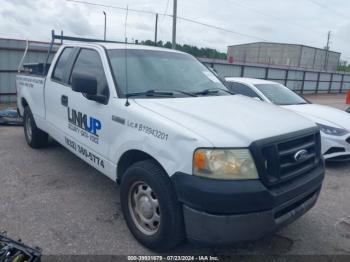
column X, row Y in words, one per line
column 170, row 230
column 35, row 137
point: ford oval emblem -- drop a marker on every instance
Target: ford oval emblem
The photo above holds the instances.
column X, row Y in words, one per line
column 301, row 155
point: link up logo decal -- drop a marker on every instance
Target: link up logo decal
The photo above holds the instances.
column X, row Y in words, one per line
column 84, row 125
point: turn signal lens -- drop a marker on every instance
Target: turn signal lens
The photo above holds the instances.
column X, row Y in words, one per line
column 199, row 160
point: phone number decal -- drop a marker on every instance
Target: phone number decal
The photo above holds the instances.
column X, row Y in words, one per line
column 84, row 152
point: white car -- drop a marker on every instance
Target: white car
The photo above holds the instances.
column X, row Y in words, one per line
column 334, row 123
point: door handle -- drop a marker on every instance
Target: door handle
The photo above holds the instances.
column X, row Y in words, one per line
column 64, row 100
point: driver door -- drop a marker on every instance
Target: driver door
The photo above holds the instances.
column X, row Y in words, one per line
column 87, row 119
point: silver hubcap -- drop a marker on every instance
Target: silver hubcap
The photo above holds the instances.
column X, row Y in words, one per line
column 29, row 128
column 144, row 208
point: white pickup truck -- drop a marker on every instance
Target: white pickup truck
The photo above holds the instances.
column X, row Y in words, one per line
column 192, row 160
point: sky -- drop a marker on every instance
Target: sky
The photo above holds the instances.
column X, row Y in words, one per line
column 304, row 22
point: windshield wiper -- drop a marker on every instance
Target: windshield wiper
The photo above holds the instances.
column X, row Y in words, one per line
column 211, row 91
column 151, row 93
column 183, row 92
column 159, row 93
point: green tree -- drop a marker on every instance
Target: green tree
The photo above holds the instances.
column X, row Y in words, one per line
column 193, row 50
column 343, row 66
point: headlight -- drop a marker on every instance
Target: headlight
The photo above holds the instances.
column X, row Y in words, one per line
column 235, row 164
column 334, row 131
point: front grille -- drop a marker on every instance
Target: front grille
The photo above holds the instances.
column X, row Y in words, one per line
column 277, row 156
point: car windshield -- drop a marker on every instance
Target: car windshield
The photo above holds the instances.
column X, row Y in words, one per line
column 280, row 95
column 152, row 72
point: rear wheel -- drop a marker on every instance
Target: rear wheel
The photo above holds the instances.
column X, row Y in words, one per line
column 150, row 206
column 35, row 137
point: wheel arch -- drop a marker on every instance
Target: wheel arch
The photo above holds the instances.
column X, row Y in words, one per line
column 130, row 157
column 24, row 102
column 21, row 104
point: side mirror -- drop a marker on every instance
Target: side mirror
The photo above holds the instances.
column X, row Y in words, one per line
column 87, row 84
column 84, row 83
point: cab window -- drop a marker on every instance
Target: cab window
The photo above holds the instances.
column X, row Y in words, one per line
column 59, row 71
column 89, row 62
column 241, row 89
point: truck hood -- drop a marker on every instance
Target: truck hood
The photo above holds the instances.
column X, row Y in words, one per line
column 323, row 114
column 227, row 121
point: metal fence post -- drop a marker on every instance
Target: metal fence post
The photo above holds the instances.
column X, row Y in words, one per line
column 341, row 84
column 286, row 79
column 303, row 83
column 318, row 82
column 242, row 70
column 266, row 73
column 330, row 84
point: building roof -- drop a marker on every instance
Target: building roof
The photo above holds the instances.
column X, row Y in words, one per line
column 20, row 44
column 287, row 44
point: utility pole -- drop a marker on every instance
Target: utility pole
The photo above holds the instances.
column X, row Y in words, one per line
column 327, row 50
column 156, row 30
column 105, row 25
column 174, row 24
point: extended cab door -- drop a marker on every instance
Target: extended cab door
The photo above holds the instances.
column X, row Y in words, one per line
column 80, row 123
column 57, row 90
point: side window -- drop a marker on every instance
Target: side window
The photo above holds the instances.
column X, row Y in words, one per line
column 89, row 62
column 58, row 73
column 241, row 89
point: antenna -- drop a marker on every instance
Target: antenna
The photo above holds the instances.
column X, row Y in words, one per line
column 126, row 58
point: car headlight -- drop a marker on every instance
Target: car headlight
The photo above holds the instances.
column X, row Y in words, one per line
column 230, row 164
column 334, row 131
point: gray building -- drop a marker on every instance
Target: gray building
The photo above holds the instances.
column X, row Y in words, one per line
column 11, row 53
column 289, row 55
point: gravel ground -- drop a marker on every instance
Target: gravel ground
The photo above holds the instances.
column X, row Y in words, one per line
column 52, row 199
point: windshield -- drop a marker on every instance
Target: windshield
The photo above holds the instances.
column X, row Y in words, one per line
column 280, row 95
column 162, row 71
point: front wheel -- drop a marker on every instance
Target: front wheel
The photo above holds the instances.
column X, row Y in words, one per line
column 150, row 206
column 35, row 137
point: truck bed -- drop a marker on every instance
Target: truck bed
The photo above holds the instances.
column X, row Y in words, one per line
column 30, row 90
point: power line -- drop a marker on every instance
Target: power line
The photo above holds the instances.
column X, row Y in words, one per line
column 328, row 8
column 113, row 7
column 165, row 10
column 334, row 10
column 168, row 15
column 293, row 24
column 268, row 15
column 218, row 28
